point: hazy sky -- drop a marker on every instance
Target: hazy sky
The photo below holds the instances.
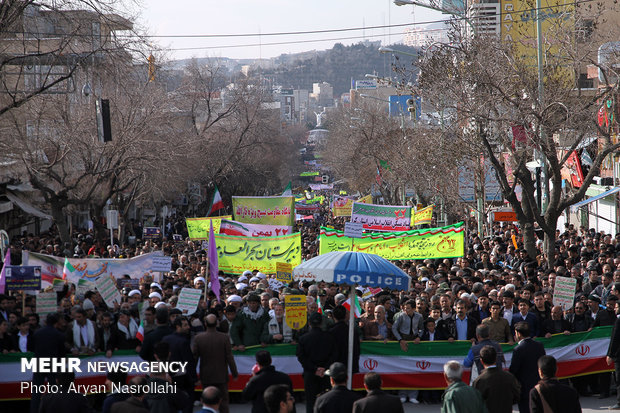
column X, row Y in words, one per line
column 234, row 17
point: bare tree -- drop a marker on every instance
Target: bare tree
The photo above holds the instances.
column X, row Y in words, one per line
column 493, row 88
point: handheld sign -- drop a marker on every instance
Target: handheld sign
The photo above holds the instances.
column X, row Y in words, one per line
column 25, row 278
column 284, row 272
column 46, row 303
column 296, row 311
column 188, row 300
column 564, row 292
column 162, row 264
column 107, row 289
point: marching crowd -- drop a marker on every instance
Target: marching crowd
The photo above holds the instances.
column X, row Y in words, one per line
column 495, row 293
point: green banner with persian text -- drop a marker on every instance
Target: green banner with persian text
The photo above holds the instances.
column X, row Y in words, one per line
column 264, row 210
column 237, row 254
column 444, row 242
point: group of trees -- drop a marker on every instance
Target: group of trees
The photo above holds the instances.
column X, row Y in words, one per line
column 505, row 116
column 56, row 62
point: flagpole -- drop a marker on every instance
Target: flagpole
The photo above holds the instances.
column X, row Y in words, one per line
column 351, row 337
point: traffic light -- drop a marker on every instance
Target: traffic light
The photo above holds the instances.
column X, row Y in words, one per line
column 104, row 125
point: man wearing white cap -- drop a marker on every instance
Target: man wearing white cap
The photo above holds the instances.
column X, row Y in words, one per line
column 154, row 298
column 199, row 283
column 155, row 286
column 134, row 296
column 235, row 301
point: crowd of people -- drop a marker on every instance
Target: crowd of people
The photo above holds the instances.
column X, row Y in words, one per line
column 494, row 293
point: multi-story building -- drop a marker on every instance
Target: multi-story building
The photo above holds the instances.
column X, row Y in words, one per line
column 47, row 52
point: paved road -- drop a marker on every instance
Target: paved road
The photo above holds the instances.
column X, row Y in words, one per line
column 588, row 405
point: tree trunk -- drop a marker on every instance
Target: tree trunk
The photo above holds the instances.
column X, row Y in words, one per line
column 60, row 220
column 529, row 239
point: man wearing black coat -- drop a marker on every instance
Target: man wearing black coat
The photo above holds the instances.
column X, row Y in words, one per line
column 556, row 324
column 376, row 400
column 47, row 342
column 524, row 363
column 155, row 336
column 181, row 350
column 265, row 377
column 559, row 397
column 315, row 352
column 340, row 333
column 339, row 398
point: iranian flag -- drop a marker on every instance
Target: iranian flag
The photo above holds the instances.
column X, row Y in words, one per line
column 140, row 332
column 318, row 303
column 358, row 309
column 216, row 202
column 288, row 191
column 420, row 368
column 67, row 270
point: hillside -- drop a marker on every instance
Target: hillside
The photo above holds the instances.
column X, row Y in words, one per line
column 337, row 66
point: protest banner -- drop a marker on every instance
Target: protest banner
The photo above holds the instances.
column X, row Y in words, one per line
column 305, row 208
column 296, row 311
column 91, row 268
column 237, row 254
column 24, row 277
column 198, row 228
column 284, row 272
column 443, row 242
column 382, row 217
column 420, row 368
column 241, row 229
column 564, row 292
column 188, row 300
column 504, row 216
column 107, row 288
column 422, row 216
column 265, row 210
column 46, row 303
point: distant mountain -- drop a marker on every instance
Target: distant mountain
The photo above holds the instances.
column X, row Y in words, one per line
column 336, row 66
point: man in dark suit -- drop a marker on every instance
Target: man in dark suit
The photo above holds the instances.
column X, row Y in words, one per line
column 150, row 339
column 496, row 384
column 266, row 376
column 524, row 315
column 376, row 400
column 216, row 358
column 340, row 333
column 22, row 340
column 47, row 342
column 559, row 397
column 315, row 353
column 524, row 363
column 339, row 398
column 613, row 355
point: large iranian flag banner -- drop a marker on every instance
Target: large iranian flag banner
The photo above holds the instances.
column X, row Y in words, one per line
column 420, row 368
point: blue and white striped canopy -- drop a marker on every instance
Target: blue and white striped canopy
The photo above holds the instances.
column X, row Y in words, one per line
column 346, row 267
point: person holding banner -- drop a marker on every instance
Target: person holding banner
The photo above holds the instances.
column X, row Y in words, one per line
column 81, row 334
